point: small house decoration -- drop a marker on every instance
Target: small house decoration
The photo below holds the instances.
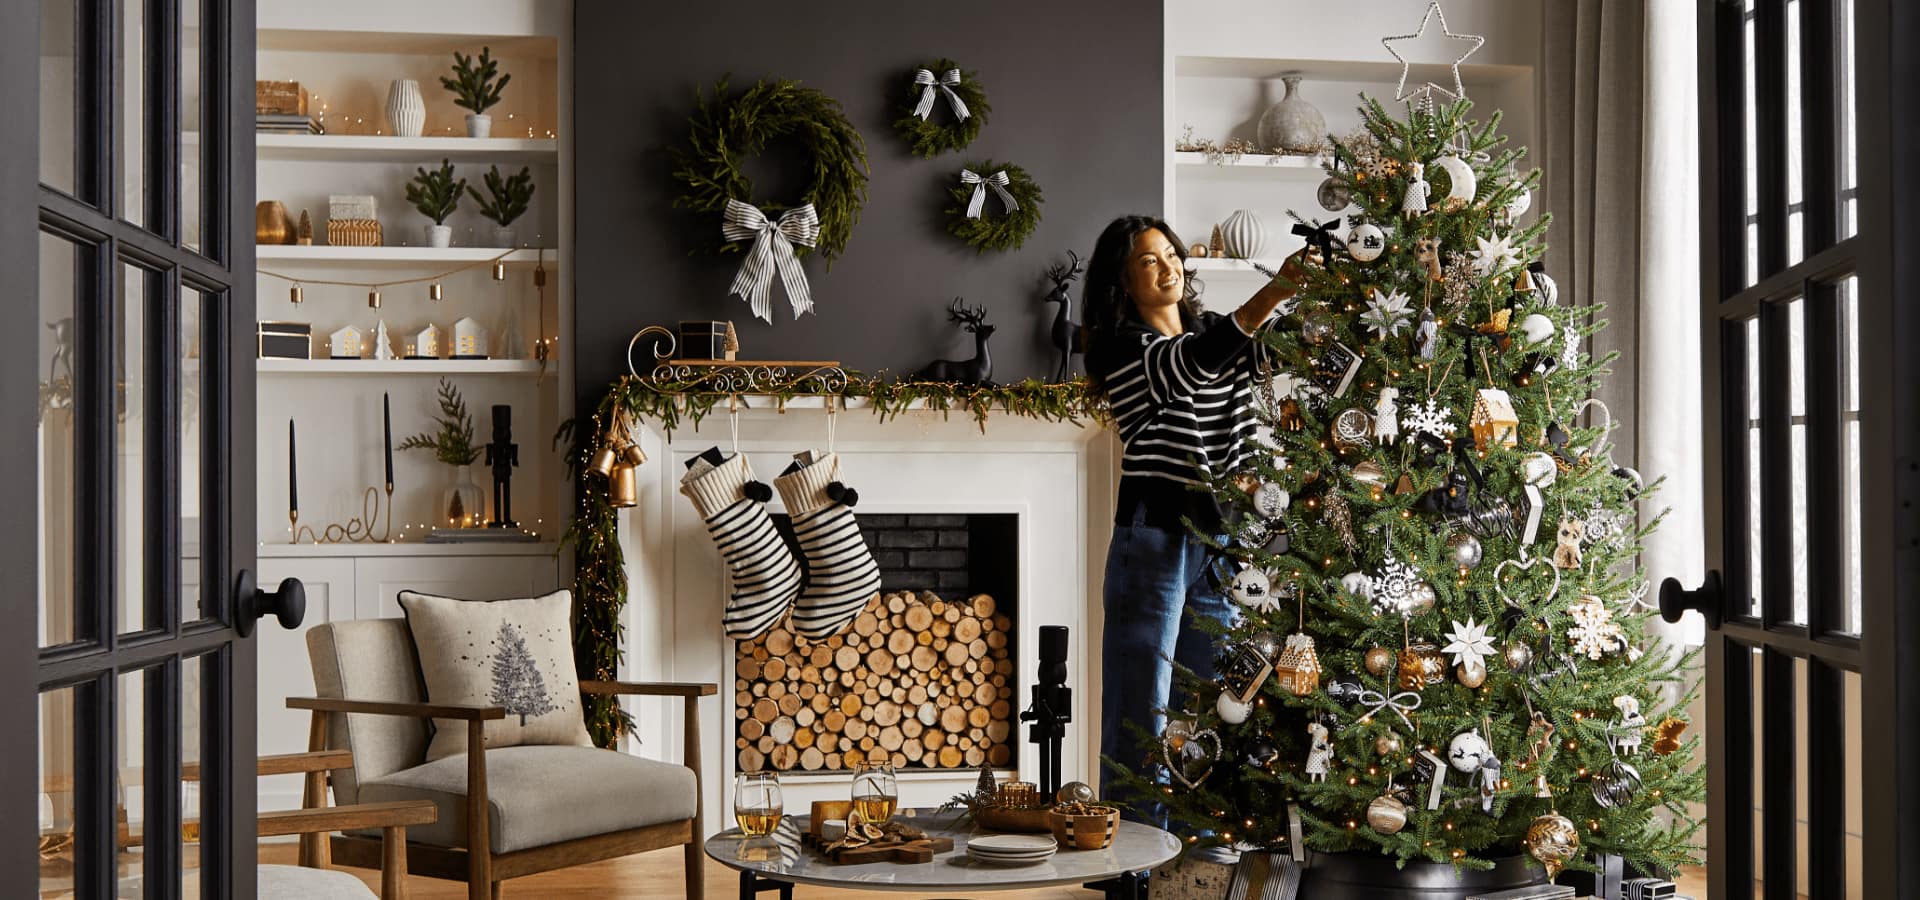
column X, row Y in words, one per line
column 344, row 344
column 1298, row 670
column 1493, row 418
column 382, row 343
column 469, row 340
column 425, row 343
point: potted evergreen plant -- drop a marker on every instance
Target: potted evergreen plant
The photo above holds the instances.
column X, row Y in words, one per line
column 436, row 194
column 462, row 504
column 506, row 201
column 475, row 89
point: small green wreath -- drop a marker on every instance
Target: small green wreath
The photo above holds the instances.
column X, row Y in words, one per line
column 996, row 227
column 936, row 87
column 727, row 129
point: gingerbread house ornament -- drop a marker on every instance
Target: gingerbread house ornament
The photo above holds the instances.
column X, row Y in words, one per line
column 1493, row 418
column 1298, row 671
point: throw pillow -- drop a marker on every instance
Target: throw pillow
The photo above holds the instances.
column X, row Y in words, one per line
column 516, row 654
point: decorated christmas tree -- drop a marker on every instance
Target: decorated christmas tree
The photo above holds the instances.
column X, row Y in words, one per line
column 1444, row 653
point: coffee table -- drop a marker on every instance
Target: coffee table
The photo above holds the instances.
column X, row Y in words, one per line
column 778, row 862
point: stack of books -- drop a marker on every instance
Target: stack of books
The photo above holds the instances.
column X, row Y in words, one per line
column 287, row 123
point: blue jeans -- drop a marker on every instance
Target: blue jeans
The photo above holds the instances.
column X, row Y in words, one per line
column 1155, row 578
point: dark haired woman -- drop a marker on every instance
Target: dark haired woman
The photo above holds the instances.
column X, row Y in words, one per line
column 1179, row 382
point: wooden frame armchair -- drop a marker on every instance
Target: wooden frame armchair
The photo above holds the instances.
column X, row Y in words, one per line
column 314, row 818
column 483, row 837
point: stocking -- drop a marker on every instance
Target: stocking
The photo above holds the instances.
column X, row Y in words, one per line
column 841, row 574
column 765, row 575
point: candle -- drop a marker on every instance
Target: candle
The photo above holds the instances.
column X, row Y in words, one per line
column 293, row 472
column 386, row 420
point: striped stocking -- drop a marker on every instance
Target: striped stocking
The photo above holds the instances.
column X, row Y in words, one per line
column 765, row 576
column 841, row 574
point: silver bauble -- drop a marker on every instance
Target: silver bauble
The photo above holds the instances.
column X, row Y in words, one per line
column 1075, row 792
column 1423, row 598
column 1265, row 643
column 1615, row 785
column 1464, row 549
column 1316, row 325
column 1518, row 656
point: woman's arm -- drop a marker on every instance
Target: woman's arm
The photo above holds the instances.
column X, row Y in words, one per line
column 1264, row 301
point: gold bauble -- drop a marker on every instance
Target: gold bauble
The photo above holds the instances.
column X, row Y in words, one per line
column 1379, row 661
column 1553, row 840
column 1386, row 814
column 1387, row 744
column 1472, row 674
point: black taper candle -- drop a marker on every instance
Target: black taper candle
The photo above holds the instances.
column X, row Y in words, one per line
column 386, row 422
column 293, row 472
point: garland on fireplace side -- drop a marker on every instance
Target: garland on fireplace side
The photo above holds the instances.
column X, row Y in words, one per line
column 600, row 581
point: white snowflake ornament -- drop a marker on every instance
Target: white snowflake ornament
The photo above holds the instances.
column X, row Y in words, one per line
column 1428, row 417
column 1387, row 313
column 1490, row 256
column 1394, row 588
column 1470, row 644
column 1594, row 631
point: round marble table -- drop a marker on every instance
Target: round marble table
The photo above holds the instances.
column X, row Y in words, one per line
column 779, row 858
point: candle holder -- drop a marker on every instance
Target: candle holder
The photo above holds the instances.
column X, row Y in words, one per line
column 357, row 530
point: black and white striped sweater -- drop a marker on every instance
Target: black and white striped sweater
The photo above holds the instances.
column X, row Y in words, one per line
column 1177, row 401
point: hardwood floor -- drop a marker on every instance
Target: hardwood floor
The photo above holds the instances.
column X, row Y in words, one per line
column 656, row 876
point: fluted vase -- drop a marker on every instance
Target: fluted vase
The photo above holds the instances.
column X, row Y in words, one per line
column 1244, row 234
column 406, row 109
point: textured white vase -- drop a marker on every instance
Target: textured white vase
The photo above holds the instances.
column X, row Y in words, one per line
column 479, row 126
column 1293, row 124
column 1244, row 234
column 439, row 235
column 406, row 109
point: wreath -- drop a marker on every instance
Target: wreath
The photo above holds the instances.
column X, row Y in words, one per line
column 942, row 84
column 989, row 213
column 728, row 129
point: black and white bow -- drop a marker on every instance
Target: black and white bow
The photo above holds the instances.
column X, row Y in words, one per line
column 944, row 84
column 772, row 249
column 998, row 181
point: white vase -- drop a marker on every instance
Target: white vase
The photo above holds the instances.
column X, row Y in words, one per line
column 406, row 109
column 1293, row 124
column 479, row 126
column 505, row 238
column 1244, row 234
column 439, row 235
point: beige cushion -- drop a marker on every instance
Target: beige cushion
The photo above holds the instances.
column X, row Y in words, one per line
column 543, row 795
column 517, row 654
column 275, row 883
column 369, row 659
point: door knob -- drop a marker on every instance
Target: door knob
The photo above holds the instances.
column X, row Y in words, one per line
column 288, row 603
column 1706, row 599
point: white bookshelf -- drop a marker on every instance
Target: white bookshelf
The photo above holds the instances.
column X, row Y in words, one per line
column 392, row 149
column 389, row 367
column 1288, row 163
column 426, row 259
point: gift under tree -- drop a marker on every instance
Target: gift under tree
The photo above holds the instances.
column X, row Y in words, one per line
column 1443, row 654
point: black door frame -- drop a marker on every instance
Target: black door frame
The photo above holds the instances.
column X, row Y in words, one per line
column 222, row 270
column 1745, row 652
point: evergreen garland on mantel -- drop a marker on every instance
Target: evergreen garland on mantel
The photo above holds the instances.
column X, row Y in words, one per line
column 600, row 580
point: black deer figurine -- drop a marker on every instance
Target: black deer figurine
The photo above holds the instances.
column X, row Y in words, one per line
column 1067, row 336
column 979, row 369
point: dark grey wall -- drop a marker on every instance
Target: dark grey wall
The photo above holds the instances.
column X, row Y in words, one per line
column 1075, row 87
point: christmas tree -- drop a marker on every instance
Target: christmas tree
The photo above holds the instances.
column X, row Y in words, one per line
column 1436, row 528
column 517, row 685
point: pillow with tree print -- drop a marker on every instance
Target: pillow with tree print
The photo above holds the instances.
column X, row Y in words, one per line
column 515, row 654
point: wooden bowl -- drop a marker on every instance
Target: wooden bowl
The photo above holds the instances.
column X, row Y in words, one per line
column 1085, row 832
column 994, row 818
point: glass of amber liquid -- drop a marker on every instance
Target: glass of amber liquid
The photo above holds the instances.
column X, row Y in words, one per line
column 757, row 802
column 876, row 792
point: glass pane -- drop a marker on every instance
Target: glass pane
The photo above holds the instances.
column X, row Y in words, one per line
column 1796, row 244
column 1854, row 783
column 57, row 806
column 1801, row 780
column 1850, row 449
column 1758, row 670
column 196, row 309
column 62, row 265
column 191, row 125
column 1797, row 408
column 57, row 87
column 1753, row 254
column 1848, row 149
column 137, row 288
column 190, row 738
column 130, row 110
column 1753, row 467
column 130, row 802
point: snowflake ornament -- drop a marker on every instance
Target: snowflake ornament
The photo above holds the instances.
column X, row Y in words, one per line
column 1470, row 644
column 1393, row 589
column 1490, row 256
column 1387, row 313
column 1594, row 631
column 1428, row 417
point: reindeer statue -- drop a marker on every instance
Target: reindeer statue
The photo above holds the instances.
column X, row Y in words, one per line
column 1067, row 336
column 979, row 369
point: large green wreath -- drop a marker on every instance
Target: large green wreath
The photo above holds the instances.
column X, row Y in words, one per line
column 997, row 228
column 927, row 138
column 727, row 129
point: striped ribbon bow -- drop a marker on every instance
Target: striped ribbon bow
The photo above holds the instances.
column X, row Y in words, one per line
column 772, row 249
column 944, row 84
column 998, row 181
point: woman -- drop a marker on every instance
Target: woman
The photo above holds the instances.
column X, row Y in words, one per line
column 1179, row 381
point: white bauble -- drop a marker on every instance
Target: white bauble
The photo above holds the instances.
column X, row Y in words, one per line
column 1252, row 588
column 1537, row 328
column 1357, row 585
column 1232, row 711
column 1538, row 469
column 1520, row 203
column 1468, row 751
column 1366, row 242
column 1271, row 500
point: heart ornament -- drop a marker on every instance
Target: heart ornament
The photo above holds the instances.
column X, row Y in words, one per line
column 1190, row 754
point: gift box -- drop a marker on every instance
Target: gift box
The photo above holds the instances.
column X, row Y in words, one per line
column 1265, row 875
column 352, row 206
column 1537, row 892
column 1205, row 874
column 286, row 340
column 353, row 232
column 1649, row 889
column 1605, row 883
column 279, row 98
column 708, row 340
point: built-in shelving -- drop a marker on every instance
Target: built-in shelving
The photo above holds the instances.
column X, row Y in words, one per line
column 406, row 548
column 1211, row 264
column 351, row 367
column 392, row 149
column 1282, row 162
column 421, row 257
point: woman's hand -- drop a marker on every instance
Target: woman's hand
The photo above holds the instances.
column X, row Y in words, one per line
column 1261, row 305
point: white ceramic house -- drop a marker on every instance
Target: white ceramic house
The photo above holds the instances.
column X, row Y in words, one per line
column 425, row 343
column 469, row 339
column 344, row 344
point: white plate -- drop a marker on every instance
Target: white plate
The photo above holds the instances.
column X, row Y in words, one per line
column 1012, row 843
column 1040, row 855
column 1009, row 862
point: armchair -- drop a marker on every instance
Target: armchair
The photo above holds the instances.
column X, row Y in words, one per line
column 504, row 812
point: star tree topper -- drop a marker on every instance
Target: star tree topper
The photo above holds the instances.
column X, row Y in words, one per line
column 1428, row 89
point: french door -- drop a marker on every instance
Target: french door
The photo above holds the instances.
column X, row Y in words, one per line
column 128, row 455
column 1812, row 429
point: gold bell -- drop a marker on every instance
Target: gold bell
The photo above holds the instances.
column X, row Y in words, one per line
column 296, row 295
column 603, row 460
column 1523, row 283
column 632, row 455
column 373, row 298
column 623, row 486
column 499, row 270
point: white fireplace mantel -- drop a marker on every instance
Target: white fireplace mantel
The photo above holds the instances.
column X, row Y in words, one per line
column 1058, row 477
